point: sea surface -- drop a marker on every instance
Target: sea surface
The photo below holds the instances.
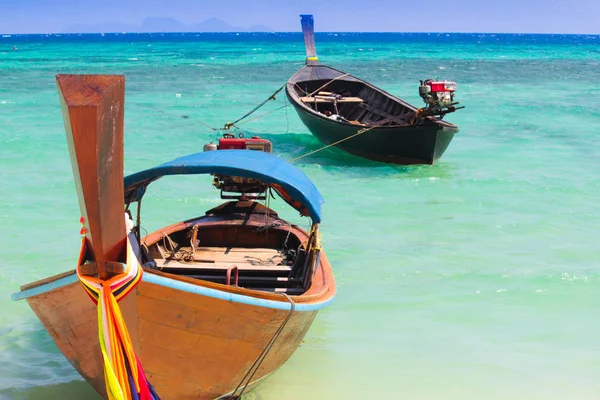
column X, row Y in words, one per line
column 477, row 278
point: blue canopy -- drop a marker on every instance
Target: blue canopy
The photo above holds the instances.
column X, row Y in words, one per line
column 289, row 182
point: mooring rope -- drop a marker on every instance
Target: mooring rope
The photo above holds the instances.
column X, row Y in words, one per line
column 208, row 126
column 261, row 357
column 271, row 97
column 234, row 124
column 262, row 115
column 287, row 119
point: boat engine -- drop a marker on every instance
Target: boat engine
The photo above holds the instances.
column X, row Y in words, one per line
column 439, row 97
column 248, row 188
column 230, row 142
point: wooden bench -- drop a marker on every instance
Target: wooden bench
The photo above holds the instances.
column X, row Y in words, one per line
column 221, row 258
column 330, row 99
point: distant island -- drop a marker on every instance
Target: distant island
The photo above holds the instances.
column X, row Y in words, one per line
column 162, row 24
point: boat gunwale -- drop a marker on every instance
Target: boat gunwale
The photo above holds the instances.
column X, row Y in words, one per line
column 164, row 279
column 302, row 302
column 308, row 301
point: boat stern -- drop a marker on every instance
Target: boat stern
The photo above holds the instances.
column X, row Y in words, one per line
column 443, row 138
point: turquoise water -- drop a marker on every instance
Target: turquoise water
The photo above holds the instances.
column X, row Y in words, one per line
column 475, row 278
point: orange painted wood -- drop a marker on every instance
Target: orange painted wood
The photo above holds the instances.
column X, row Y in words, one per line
column 46, row 280
column 93, row 113
column 70, row 318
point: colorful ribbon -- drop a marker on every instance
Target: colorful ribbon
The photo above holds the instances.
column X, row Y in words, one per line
column 123, row 373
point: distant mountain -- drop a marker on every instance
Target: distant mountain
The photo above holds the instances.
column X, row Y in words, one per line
column 159, row 24
column 102, row 28
column 215, row 25
column 165, row 24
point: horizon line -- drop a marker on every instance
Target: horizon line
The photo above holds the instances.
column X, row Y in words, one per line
column 3, row 34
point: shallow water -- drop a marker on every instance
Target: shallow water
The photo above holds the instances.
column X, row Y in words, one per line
column 475, row 278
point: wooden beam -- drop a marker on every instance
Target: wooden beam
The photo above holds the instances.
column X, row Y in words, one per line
column 93, row 110
column 308, row 30
column 327, row 99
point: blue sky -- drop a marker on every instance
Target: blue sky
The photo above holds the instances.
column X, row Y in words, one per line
column 522, row 16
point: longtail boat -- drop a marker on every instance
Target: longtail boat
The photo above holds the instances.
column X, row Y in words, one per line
column 355, row 116
column 201, row 309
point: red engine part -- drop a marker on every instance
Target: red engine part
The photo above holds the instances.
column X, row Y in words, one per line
column 441, row 86
column 231, row 144
column 254, row 143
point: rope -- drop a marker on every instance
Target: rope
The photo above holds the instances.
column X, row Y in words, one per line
column 269, row 226
column 364, row 130
column 262, row 115
column 183, row 256
column 287, row 120
column 336, row 78
column 173, row 247
column 229, row 125
column 271, row 97
column 259, row 261
column 208, row 126
column 261, row 357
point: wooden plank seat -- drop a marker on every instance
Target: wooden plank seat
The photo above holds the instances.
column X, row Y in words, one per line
column 221, row 258
column 221, row 255
column 330, row 99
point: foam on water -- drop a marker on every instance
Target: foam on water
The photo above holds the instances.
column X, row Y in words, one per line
column 475, row 278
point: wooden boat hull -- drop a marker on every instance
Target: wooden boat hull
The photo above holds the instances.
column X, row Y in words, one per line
column 192, row 345
column 419, row 144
